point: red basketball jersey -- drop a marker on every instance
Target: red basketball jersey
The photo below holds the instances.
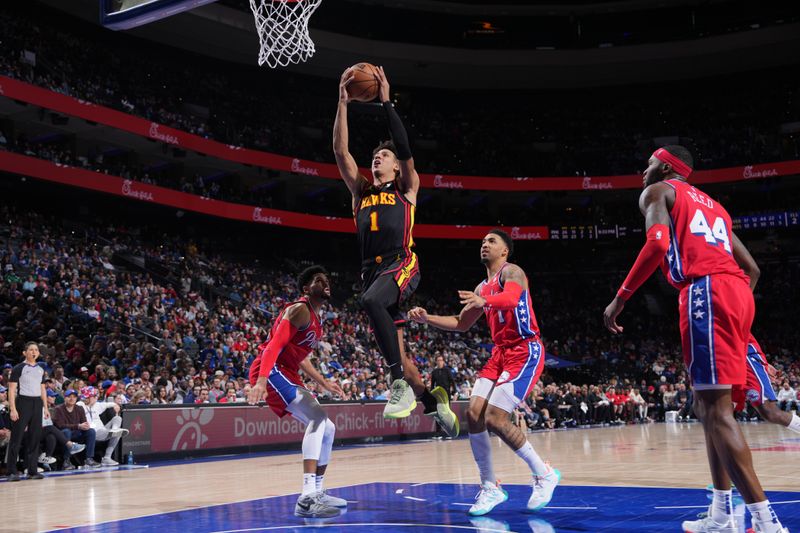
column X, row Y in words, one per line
column 701, row 240
column 509, row 326
column 299, row 346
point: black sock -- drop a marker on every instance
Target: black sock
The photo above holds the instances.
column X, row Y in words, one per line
column 428, row 400
column 376, row 302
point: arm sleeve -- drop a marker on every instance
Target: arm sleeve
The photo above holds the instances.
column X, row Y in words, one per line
column 507, row 299
column 398, row 132
column 280, row 339
column 16, row 373
column 653, row 252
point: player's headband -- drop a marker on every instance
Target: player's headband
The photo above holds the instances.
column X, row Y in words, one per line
column 680, row 168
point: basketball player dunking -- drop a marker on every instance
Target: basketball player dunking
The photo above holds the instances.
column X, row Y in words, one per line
column 692, row 232
column 275, row 372
column 384, row 209
column 509, row 375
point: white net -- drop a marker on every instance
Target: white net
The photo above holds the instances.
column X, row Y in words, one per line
column 282, row 27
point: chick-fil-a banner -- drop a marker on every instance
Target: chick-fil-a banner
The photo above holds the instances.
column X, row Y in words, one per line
column 195, row 427
column 68, row 105
column 97, row 181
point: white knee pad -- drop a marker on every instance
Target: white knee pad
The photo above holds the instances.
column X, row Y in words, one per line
column 327, row 443
column 306, row 409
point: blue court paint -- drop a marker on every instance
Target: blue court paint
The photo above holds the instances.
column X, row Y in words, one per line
column 442, row 507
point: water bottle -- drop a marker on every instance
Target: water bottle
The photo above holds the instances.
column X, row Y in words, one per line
column 130, row 457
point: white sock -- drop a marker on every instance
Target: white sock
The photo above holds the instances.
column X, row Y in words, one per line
column 535, row 463
column 309, row 484
column 482, row 452
column 765, row 517
column 722, row 506
column 794, row 425
column 320, row 482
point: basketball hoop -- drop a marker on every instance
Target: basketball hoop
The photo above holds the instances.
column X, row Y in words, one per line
column 282, row 27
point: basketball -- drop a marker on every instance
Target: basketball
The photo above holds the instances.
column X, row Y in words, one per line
column 364, row 87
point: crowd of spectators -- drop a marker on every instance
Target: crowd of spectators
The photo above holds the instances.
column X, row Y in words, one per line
column 145, row 339
column 602, row 131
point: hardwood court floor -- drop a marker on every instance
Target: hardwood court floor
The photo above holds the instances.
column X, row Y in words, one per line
column 655, row 455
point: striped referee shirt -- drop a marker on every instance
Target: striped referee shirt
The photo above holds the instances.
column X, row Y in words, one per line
column 29, row 379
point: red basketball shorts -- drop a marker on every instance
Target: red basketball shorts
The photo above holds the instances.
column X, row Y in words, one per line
column 516, row 367
column 716, row 313
column 757, row 388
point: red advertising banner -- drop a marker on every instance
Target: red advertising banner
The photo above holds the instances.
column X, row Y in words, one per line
column 191, row 427
column 97, row 181
column 68, row 105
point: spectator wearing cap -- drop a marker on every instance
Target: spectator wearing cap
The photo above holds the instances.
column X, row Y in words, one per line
column 52, row 437
column 71, row 420
column 111, row 431
column 27, row 399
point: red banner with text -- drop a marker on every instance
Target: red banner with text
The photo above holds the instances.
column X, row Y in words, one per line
column 97, row 181
column 192, row 427
column 68, row 105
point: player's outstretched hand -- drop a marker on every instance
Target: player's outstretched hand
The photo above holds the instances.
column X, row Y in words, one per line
column 471, row 300
column 256, row 393
column 383, row 86
column 611, row 313
column 334, row 388
column 419, row 315
column 347, row 77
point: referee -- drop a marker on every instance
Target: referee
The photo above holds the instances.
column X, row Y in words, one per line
column 27, row 410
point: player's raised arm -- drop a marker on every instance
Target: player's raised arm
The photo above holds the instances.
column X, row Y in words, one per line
column 465, row 320
column 295, row 317
column 653, row 204
column 743, row 258
column 409, row 179
column 344, row 159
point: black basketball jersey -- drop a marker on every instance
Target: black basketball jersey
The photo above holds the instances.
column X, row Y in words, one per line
column 384, row 220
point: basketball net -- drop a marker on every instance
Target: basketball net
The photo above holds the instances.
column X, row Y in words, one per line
column 282, row 27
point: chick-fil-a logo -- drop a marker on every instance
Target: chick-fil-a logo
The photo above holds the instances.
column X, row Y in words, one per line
column 440, row 183
column 158, row 135
column 749, row 173
column 191, row 436
column 258, row 217
column 589, row 184
column 128, row 190
column 300, row 169
column 517, row 233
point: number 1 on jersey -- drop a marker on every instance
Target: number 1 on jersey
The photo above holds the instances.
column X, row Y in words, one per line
column 373, row 217
column 715, row 234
